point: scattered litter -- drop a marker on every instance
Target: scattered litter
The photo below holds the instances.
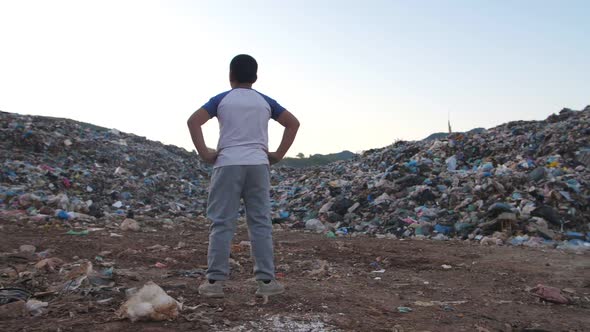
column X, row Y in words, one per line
column 49, row 264
column 36, row 307
column 404, row 310
column 130, row 225
column 78, row 233
column 77, row 276
column 437, row 303
column 198, row 316
column 321, row 267
column 195, row 273
column 550, row 294
column 105, row 301
column 158, row 248
column 150, row 303
column 315, row 225
column 12, row 294
column 379, row 271
column 27, row 249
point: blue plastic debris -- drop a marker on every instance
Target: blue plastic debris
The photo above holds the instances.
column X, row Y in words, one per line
column 487, row 167
column 342, row 231
column 443, row 229
column 63, row 215
column 573, row 184
column 575, row 235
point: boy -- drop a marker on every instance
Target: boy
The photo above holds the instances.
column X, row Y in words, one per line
column 241, row 171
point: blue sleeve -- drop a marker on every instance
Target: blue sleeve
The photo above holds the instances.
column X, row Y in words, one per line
column 213, row 103
column 275, row 108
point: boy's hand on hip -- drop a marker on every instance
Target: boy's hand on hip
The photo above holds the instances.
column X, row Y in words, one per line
column 209, row 157
column 274, row 157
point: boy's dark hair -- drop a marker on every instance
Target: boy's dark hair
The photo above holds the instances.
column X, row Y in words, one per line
column 243, row 68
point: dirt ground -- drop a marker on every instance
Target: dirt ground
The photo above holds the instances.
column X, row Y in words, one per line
column 331, row 283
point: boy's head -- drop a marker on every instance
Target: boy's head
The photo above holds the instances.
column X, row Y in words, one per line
column 242, row 69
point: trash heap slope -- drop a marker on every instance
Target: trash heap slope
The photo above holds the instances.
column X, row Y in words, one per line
column 525, row 178
column 58, row 167
column 524, row 181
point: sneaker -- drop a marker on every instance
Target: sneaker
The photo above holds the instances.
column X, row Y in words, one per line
column 214, row 290
column 272, row 288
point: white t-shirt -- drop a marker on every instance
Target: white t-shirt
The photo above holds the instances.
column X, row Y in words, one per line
column 243, row 116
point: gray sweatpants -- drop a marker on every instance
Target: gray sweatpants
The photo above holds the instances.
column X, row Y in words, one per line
column 228, row 185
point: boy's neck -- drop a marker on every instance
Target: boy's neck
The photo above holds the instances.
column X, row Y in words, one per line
column 241, row 85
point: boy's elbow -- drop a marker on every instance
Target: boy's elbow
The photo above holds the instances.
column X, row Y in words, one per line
column 192, row 122
column 293, row 123
column 192, row 126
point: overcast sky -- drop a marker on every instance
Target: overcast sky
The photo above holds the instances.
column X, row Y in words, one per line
column 358, row 74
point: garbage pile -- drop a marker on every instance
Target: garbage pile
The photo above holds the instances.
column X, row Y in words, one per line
column 58, row 168
column 523, row 183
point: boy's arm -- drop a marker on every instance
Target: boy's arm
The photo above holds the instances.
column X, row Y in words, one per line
column 291, row 124
column 194, row 126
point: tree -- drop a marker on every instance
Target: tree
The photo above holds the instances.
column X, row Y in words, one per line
column 300, row 155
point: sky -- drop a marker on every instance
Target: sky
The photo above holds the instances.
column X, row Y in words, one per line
column 357, row 74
